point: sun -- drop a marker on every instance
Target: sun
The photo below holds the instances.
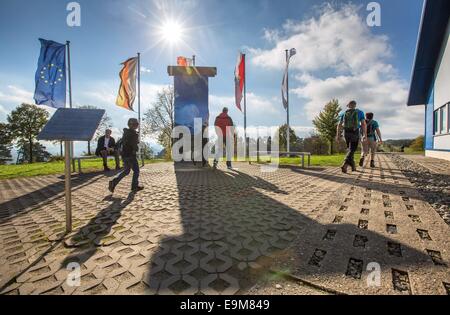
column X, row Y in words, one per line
column 171, row 31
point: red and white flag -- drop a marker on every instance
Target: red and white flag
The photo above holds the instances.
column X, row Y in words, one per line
column 239, row 80
column 184, row 62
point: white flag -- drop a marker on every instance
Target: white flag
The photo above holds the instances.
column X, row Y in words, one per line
column 284, row 88
column 284, row 84
column 292, row 52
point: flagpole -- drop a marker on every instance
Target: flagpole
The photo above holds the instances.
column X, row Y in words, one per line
column 139, row 107
column 69, row 73
column 245, row 106
column 287, row 99
column 69, row 70
column 68, row 151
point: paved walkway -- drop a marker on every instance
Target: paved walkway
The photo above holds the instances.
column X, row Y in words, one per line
column 225, row 232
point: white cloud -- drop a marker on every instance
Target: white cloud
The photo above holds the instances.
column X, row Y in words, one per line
column 11, row 97
column 255, row 103
column 16, row 95
column 262, row 115
column 339, row 57
column 104, row 94
column 261, row 111
column 3, row 110
column 149, row 92
column 100, row 96
column 271, row 35
column 385, row 98
column 146, row 70
column 337, row 39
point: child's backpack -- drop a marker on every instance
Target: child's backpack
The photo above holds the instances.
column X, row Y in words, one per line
column 351, row 120
column 370, row 128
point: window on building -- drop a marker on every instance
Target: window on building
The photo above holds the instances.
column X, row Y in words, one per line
column 444, row 119
column 441, row 120
column 436, row 122
column 448, row 118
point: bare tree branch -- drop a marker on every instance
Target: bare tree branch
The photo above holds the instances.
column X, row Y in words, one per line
column 159, row 119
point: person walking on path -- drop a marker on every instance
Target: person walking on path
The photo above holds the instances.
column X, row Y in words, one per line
column 373, row 135
column 129, row 147
column 353, row 122
column 225, row 130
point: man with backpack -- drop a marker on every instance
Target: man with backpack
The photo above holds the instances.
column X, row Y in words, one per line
column 353, row 122
column 373, row 133
column 128, row 147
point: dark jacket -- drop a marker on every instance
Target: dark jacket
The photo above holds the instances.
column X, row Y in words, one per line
column 130, row 141
column 101, row 144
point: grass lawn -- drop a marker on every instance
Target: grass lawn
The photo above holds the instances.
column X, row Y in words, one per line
column 317, row 160
column 36, row 169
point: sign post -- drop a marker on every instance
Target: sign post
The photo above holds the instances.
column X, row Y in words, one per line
column 68, row 125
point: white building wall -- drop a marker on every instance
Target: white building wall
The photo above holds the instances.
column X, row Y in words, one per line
column 442, row 97
column 438, row 154
column 442, row 79
column 442, row 142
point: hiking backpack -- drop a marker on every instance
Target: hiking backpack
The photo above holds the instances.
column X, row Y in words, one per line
column 370, row 128
column 351, row 120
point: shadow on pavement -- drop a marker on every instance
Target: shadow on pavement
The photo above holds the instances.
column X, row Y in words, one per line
column 90, row 236
column 44, row 195
column 234, row 231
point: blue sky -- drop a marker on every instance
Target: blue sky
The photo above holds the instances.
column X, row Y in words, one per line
column 338, row 54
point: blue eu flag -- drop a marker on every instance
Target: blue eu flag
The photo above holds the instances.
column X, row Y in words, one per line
column 51, row 75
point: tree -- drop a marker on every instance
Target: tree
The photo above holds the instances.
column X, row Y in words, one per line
column 340, row 146
column 39, row 152
column 147, row 151
column 105, row 123
column 315, row 144
column 25, row 123
column 293, row 139
column 418, row 144
column 159, row 119
column 5, row 143
column 326, row 122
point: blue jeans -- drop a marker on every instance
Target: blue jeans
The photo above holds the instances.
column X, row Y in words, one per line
column 129, row 163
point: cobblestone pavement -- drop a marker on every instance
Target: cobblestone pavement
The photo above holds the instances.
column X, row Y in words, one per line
column 431, row 177
column 437, row 166
column 194, row 231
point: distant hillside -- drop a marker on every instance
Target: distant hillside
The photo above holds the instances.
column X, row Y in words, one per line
column 399, row 143
column 161, row 154
column 405, row 145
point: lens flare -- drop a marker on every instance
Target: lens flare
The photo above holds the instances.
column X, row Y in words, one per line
column 171, row 31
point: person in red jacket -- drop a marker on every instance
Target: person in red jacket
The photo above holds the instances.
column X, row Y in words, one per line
column 224, row 129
